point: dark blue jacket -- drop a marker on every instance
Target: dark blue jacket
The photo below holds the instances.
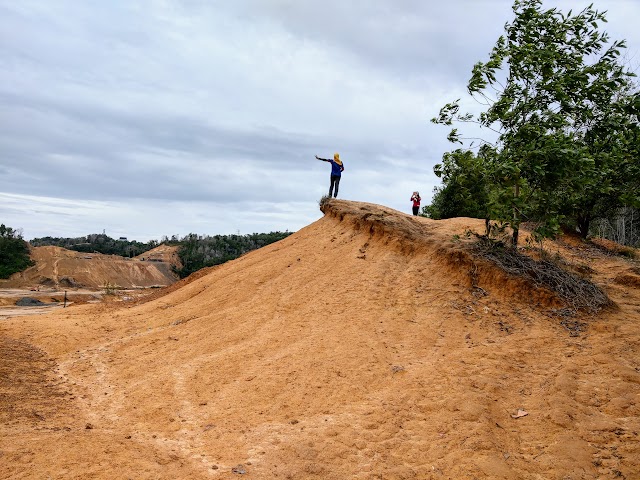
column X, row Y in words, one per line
column 336, row 169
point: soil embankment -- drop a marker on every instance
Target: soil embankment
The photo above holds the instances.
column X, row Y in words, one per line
column 355, row 348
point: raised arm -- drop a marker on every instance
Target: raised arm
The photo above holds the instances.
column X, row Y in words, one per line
column 323, row 159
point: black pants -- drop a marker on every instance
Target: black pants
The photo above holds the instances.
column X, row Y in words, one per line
column 335, row 180
column 415, row 210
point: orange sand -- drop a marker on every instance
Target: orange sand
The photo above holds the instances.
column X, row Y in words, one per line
column 353, row 349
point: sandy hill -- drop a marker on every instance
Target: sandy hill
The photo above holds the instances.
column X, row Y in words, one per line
column 353, row 349
column 162, row 253
column 61, row 268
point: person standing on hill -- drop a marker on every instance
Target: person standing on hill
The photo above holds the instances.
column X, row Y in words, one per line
column 415, row 198
column 337, row 167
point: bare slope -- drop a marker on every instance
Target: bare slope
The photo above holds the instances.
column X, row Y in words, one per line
column 351, row 349
column 61, row 268
column 162, row 253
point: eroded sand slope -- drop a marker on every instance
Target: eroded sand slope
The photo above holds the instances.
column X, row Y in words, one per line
column 354, row 348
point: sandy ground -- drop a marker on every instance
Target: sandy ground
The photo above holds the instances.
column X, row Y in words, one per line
column 54, row 299
column 353, row 349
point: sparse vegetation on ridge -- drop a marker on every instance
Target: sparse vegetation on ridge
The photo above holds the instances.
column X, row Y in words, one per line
column 323, row 201
column 97, row 242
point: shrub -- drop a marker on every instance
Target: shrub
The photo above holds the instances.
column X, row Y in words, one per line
column 14, row 252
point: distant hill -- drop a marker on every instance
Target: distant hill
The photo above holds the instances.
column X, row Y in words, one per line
column 193, row 251
column 59, row 268
column 162, row 253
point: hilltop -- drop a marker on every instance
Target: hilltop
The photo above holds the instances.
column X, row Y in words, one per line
column 357, row 347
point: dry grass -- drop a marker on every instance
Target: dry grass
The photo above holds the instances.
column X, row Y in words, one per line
column 579, row 294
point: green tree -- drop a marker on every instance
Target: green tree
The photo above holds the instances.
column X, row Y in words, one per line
column 548, row 87
column 611, row 139
column 465, row 191
column 14, row 252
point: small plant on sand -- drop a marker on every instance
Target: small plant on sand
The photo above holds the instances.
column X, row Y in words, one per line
column 323, row 201
column 109, row 288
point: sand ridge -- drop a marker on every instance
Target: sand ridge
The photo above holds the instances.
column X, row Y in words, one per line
column 355, row 348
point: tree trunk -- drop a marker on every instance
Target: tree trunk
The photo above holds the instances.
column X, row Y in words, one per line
column 583, row 224
column 515, row 223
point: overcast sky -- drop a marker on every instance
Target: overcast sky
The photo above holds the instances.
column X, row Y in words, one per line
column 146, row 118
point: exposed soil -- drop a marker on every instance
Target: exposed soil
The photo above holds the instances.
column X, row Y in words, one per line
column 356, row 348
column 61, row 269
column 162, row 253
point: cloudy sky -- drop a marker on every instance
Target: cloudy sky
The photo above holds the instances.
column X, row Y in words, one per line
column 146, row 118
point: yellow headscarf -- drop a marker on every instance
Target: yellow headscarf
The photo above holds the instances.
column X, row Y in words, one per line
column 336, row 158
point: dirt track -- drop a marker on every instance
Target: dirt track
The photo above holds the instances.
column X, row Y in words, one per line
column 352, row 349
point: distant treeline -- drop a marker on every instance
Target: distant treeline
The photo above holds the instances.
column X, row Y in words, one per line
column 14, row 252
column 198, row 251
column 97, row 242
column 195, row 251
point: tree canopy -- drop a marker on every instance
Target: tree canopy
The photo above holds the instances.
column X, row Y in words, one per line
column 14, row 252
column 464, row 192
column 565, row 113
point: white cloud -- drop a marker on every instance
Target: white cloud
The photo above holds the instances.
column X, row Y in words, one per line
column 156, row 117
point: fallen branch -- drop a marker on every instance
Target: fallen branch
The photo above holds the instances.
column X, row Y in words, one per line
column 578, row 293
